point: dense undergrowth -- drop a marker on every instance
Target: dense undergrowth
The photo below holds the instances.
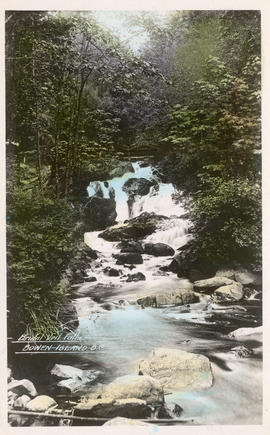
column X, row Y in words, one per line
column 77, row 97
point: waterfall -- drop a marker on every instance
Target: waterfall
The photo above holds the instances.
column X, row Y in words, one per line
column 159, row 201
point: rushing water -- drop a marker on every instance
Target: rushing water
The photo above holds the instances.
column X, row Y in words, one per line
column 124, row 333
column 127, row 333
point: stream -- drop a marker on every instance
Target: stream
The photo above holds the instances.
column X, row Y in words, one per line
column 126, row 333
column 120, row 332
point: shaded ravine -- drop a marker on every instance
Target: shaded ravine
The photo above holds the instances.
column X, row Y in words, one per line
column 127, row 333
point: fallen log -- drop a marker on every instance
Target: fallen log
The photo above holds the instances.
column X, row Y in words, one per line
column 74, row 417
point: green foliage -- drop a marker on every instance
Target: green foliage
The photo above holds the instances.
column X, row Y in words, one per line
column 213, row 130
column 226, row 216
column 39, row 246
column 221, row 125
column 74, row 91
column 76, row 97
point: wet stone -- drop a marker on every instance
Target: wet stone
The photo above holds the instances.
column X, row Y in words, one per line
column 242, row 351
column 110, row 271
column 129, row 258
column 23, row 386
column 136, row 277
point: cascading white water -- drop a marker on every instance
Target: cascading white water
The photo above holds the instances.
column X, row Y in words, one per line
column 128, row 332
column 172, row 231
column 159, row 202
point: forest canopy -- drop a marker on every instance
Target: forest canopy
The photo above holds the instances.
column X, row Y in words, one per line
column 78, row 96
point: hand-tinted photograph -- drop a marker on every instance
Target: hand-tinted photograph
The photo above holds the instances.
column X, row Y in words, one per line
column 133, row 192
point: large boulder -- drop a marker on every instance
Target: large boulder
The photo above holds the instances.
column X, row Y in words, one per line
column 134, row 386
column 229, row 293
column 75, row 385
column 137, row 186
column 128, row 407
column 136, row 228
column 241, row 275
column 99, row 213
column 158, row 249
column 159, row 298
column 245, row 332
column 41, row 404
column 21, row 402
column 193, row 270
column 23, row 386
column 176, row 264
column 130, row 246
column 177, row 370
column 72, row 379
column 226, row 273
column 128, row 258
column 62, row 371
column 211, row 284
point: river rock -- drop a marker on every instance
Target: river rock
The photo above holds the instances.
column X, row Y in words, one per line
column 128, row 258
column 109, row 306
column 134, row 386
column 23, row 386
column 99, row 213
column 158, row 249
column 245, row 277
column 197, row 269
column 252, row 293
column 90, row 279
column 22, row 401
column 122, row 421
column 136, row 277
column 226, row 273
column 178, row 370
column 62, row 371
column 137, row 186
column 136, row 228
column 73, row 379
column 168, row 297
column 169, row 410
column 41, row 404
column 128, row 407
column 245, row 332
column 110, row 271
column 75, row 385
column 242, row 351
column 211, row 284
column 130, row 246
column 228, row 293
column 241, row 275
